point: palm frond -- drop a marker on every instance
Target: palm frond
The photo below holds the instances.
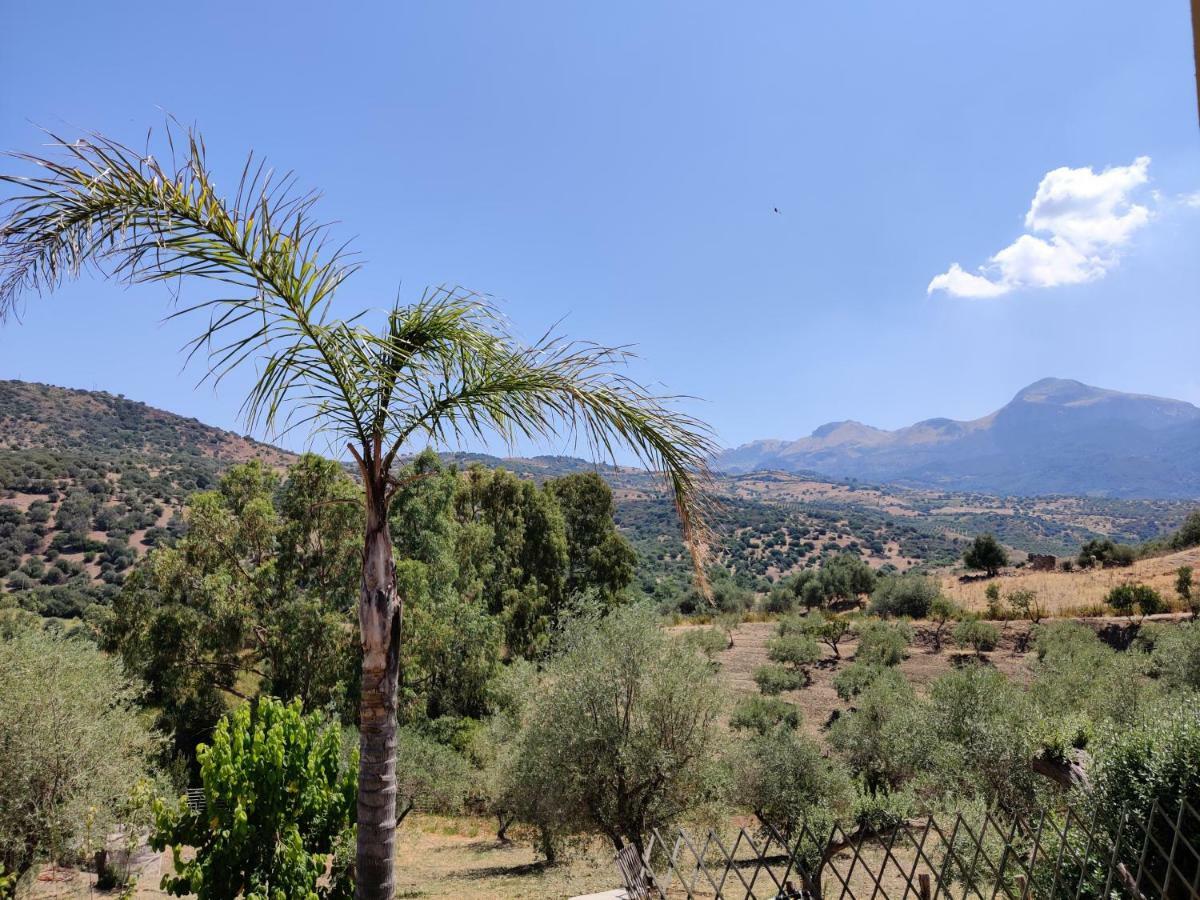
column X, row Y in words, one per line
column 444, row 368
column 468, row 377
column 98, row 203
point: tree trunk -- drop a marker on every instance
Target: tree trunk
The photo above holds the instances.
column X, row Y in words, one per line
column 379, row 612
column 503, row 820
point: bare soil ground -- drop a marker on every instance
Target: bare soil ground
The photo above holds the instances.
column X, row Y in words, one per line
column 819, row 702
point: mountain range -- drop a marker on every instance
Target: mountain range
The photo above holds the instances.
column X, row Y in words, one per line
column 1056, row 436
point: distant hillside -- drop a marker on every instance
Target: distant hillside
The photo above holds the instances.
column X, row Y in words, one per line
column 1055, row 437
column 44, row 417
column 90, row 482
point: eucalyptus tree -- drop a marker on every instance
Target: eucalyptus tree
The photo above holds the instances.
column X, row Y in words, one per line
column 433, row 371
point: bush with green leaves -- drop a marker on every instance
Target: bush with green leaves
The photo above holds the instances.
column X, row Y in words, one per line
column 279, row 797
column 1105, row 552
column 1024, row 604
column 621, row 734
column 764, row 714
column 1077, row 675
column 1188, row 534
column 992, row 595
column 1125, row 599
column 709, row 641
column 1184, row 588
column 784, row 778
column 1175, row 655
column 977, row 634
column 1154, row 760
column 845, row 577
column 73, row 744
column 855, row 678
column 987, row 554
column 500, row 784
column 883, row 739
column 981, row 721
column 909, row 596
column 431, row 776
column 1065, row 638
column 827, row 628
column 883, row 643
column 792, row 652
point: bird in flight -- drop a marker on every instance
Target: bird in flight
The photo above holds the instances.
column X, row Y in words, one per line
column 777, row 209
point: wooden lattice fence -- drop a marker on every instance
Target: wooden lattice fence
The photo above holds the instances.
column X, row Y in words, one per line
column 1063, row 853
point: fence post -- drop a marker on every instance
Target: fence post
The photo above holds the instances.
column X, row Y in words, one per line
column 923, row 886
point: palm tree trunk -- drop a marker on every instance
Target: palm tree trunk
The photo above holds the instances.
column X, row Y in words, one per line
column 379, row 612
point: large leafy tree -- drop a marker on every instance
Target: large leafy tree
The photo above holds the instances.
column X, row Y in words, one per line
column 433, row 371
column 72, row 744
column 600, row 557
column 256, row 595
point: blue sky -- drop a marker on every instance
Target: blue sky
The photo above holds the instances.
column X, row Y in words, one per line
column 618, row 164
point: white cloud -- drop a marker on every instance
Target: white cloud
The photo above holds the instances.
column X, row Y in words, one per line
column 1087, row 219
column 963, row 284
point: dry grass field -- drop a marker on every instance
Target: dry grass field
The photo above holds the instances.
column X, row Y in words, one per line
column 437, row 857
column 1080, row 592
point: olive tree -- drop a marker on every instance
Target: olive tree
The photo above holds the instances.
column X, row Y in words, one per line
column 905, row 595
column 942, row 612
column 621, row 736
column 1183, row 587
column 435, row 778
column 977, row 634
column 787, row 782
column 72, row 744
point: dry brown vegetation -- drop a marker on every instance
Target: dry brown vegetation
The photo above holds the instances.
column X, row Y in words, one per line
column 1080, row 592
column 437, row 857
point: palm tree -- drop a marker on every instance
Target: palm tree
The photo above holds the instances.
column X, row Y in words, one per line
column 438, row 370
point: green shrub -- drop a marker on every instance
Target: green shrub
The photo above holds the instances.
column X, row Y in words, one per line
column 1183, row 587
column 856, row 678
column 786, row 780
column 883, row 643
column 904, row 595
column 942, row 612
column 884, row 739
column 73, row 743
column 1154, row 760
column 764, row 714
column 1175, row 655
column 977, row 634
column 1188, row 534
column 1125, row 598
column 1025, row 605
column 992, row 593
column 1104, row 552
column 1064, row 638
column 278, row 798
column 773, row 680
